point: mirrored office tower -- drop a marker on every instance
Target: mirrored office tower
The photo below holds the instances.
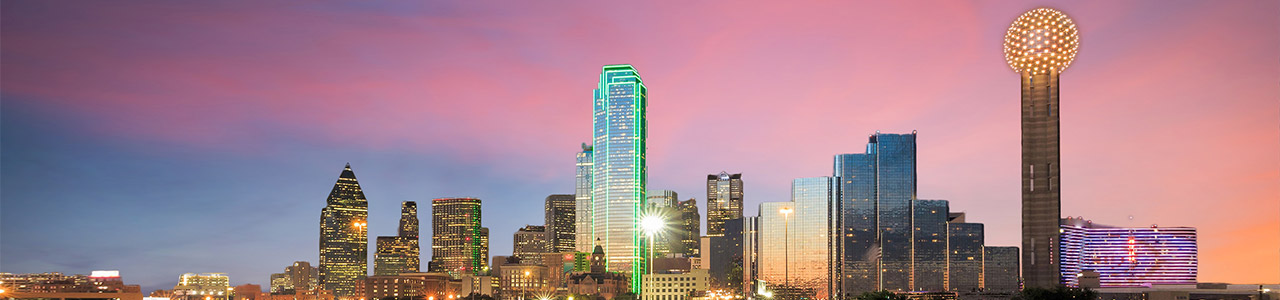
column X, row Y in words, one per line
column 585, row 239
column 876, row 191
column 344, row 236
column 794, row 245
column 618, row 168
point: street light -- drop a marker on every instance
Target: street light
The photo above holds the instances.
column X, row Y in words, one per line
column 651, row 225
column 786, row 245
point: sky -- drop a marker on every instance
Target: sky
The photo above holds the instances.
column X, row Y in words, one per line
column 160, row 138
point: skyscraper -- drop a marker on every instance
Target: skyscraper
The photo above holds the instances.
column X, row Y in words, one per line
column 529, row 243
column 399, row 254
column 796, row 241
column 964, row 251
column 929, row 249
column 585, row 240
column 344, row 236
column 690, row 228
column 297, row 277
column 876, row 191
column 724, row 201
column 459, row 245
column 618, row 172
column 1000, row 269
column 560, row 223
column 1039, row 45
column 662, row 203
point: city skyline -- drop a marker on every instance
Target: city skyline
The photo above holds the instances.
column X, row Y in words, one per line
column 1121, row 123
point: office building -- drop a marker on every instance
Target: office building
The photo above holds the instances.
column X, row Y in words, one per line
column 300, row 276
column 664, row 204
column 689, row 228
column 724, row 201
column 529, row 244
column 458, row 243
column 750, row 259
column 410, row 285
column 929, row 232
column 876, row 191
column 1039, row 45
column 795, row 250
column 1127, row 256
column 725, row 259
column 560, row 210
column 98, row 285
column 399, row 254
column 582, row 201
column 964, row 255
column 673, row 285
column 1000, row 267
column 344, row 236
column 619, row 174
column 192, row 286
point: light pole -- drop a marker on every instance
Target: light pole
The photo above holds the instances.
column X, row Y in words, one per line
column 651, row 225
column 786, row 245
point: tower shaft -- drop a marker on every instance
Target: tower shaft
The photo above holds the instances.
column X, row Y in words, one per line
column 1041, row 189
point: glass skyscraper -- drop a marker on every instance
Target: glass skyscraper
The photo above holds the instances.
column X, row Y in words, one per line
column 560, row 219
column 964, row 256
column 585, row 239
column 618, row 168
column 724, row 201
column 690, row 228
column 876, row 192
column 399, row 254
column 344, row 236
column 663, row 203
column 929, row 230
column 795, row 242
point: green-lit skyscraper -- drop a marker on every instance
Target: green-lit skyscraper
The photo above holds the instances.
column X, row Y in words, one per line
column 618, row 168
column 344, row 236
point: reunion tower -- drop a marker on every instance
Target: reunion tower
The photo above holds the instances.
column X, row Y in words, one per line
column 1039, row 46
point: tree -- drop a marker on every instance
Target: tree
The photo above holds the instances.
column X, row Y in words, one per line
column 626, row 296
column 1057, row 293
column 880, row 295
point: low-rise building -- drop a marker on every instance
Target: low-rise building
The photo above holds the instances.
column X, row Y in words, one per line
column 97, row 285
column 411, row 285
column 674, row 286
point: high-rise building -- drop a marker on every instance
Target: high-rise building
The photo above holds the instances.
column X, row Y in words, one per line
column 725, row 261
column 663, row 203
column 689, row 228
column 1039, row 45
column 750, row 259
column 585, row 239
column 344, row 236
column 1127, row 256
column 1000, row 269
column 619, row 175
column 929, row 255
column 300, row 276
column 796, row 245
column 876, row 191
column 399, row 254
column 458, row 243
column 529, row 244
column 964, row 255
column 724, row 201
column 560, row 223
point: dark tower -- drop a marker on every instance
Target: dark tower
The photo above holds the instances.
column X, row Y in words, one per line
column 1039, row 46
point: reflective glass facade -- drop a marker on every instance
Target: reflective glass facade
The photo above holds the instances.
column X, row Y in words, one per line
column 690, row 228
column 344, row 236
column 1128, row 257
column 724, row 201
column 929, row 261
column 663, row 203
column 1000, row 269
column 964, row 256
column 876, row 193
column 585, row 240
column 618, row 168
column 795, row 241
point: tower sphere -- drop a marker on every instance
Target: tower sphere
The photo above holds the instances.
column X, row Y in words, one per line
column 1041, row 40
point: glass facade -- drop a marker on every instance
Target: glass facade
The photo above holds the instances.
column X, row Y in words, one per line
column 724, row 201
column 690, row 230
column 1000, row 267
column 663, row 203
column 795, row 245
column 929, row 231
column 1128, row 257
column 409, row 232
column 458, row 244
column 964, row 255
column 876, row 194
column 618, row 168
column 344, row 236
column 392, row 257
column 585, row 239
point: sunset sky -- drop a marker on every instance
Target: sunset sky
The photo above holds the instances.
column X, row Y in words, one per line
column 159, row 138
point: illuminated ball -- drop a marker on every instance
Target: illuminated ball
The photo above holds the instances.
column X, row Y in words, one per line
column 1041, row 40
